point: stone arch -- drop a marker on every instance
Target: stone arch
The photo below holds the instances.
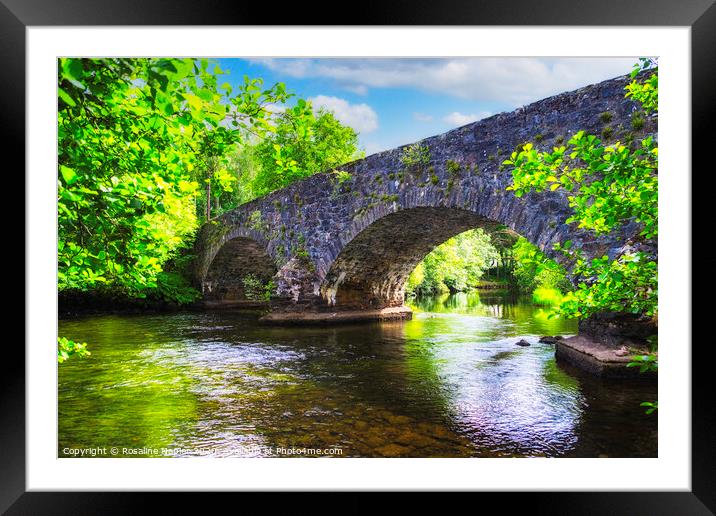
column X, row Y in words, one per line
column 378, row 252
column 236, row 269
column 371, row 270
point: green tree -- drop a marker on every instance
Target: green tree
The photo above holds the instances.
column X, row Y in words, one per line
column 242, row 163
column 455, row 265
column 533, row 269
column 504, row 239
column 607, row 187
column 301, row 144
column 131, row 135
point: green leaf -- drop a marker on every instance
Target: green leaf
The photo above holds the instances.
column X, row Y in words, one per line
column 62, row 94
column 69, row 175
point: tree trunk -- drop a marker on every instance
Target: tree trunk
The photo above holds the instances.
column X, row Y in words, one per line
column 208, row 201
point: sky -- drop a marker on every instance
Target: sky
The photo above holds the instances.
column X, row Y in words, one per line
column 395, row 101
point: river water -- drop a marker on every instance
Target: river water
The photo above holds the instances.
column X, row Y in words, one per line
column 449, row 383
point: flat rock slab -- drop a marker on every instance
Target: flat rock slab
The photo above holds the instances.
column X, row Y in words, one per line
column 597, row 358
column 337, row 317
column 231, row 304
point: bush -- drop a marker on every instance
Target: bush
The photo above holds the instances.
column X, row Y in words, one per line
column 415, row 156
column 256, row 289
column 534, row 270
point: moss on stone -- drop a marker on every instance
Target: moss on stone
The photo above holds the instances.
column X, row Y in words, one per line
column 415, row 157
column 637, row 121
column 453, row 167
column 605, row 117
column 255, row 221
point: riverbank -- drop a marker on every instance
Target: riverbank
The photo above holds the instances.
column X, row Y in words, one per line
column 495, row 285
column 600, row 359
column 77, row 304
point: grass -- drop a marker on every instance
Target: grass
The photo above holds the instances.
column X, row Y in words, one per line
column 637, row 121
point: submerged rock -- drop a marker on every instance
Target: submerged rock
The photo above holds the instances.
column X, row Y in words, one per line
column 548, row 339
column 393, row 450
column 522, row 342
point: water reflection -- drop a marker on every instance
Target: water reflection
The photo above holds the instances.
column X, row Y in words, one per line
column 449, row 383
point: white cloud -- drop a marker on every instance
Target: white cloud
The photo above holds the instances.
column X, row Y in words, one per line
column 274, row 108
column 422, row 117
column 457, row 119
column 374, row 147
column 514, row 81
column 360, row 117
column 358, row 89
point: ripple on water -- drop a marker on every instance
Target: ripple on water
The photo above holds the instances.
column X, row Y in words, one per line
column 449, row 383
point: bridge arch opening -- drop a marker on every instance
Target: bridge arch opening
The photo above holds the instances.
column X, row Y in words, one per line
column 371, row 270
column 241, row 272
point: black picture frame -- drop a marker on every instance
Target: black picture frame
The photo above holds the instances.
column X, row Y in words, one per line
column 700, row 15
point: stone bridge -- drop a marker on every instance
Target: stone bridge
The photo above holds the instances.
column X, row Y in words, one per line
column 336, row 244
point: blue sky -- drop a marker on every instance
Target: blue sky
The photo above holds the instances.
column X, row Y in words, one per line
column 394, row 101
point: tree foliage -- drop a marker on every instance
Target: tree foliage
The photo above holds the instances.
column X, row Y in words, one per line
column 130, row 134
column 302, row 143
column 534, row 270
column 67, row 348
column 150, row 148
column 646, row 91
column 607, row 186
column 454, row 266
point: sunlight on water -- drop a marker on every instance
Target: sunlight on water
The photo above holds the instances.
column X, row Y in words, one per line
column 449, row 383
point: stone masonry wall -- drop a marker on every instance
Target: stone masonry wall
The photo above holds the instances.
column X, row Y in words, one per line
column 353, row 243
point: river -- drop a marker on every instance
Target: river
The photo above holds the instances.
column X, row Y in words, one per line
column 449, row 383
